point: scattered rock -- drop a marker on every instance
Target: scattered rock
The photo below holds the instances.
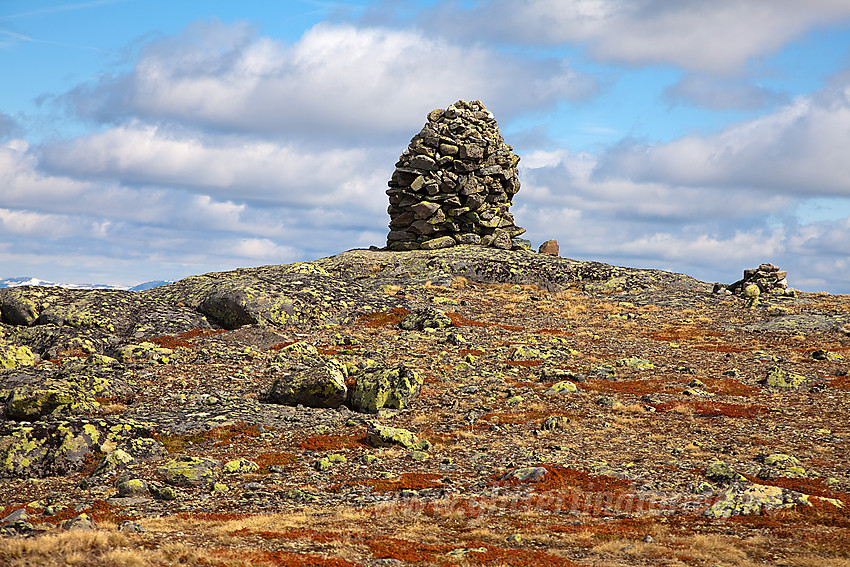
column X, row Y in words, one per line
column 427, row 318
column 320, row 387
column 240, row 466
column 190, row 471
column 783, row 379
column 549, row 247
column 385, row 436
column 527, row 474
column 766, row 279
column 376, row 388
column 721, row 472
column 754, row 499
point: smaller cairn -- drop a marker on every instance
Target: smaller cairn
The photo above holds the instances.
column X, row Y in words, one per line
column 454, row 184
column 766, row 279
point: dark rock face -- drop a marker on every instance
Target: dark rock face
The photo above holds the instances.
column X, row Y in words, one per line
column 454, row 184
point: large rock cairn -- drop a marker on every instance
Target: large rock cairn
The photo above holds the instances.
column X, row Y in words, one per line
column 454, row 184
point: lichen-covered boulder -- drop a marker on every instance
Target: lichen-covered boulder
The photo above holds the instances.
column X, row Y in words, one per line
column 56, row 447
column 754, row 499
column 113, row 461
column 384, row 436
column 19, row 305
column 722, row 472
column 190, row 471
column 783, row 379
column 17, row 356
column 320, row 386
column 240, row 466
column 376, row 388
column 427, row 318
column 34, row 404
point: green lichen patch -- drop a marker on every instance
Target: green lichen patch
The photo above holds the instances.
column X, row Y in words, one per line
column 190, row 471
column 56, row 447
column 783, row 379
column 376, row 388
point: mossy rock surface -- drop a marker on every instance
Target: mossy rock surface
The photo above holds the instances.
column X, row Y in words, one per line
column 377, row 388
column 56, row 447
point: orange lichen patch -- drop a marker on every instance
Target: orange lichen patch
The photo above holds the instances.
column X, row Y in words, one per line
column 503, row 418
column 703, row 408
column 677, row 334
column 728, row 387
column 406, row 481
column 349, row 440
column 459, row 320
column 279, row 558
column 266, row 460
column 554, row 332
column 213, row 516
column 99, row 511
column 635, row 387
column 291, row 533
column 407, row 551
column 384, row 318
column 279, row 346
column 840, row 382
column 524, row 363
column 472, row 351
column 182, row 340
column 718, row 347
column 559, row 478
column 219, row 436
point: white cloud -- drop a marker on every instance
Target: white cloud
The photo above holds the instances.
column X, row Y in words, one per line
column 233, row 168
column 800, row 149
column 337, row 80
column 715, row 37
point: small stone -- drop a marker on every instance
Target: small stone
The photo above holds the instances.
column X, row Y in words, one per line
column 528, row 474
column 549, row 247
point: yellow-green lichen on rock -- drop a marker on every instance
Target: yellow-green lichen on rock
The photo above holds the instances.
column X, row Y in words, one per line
column 17, row 356
column 384, row 436
column 783, row 379
column 190, row 471
column 319, row 386
column 376, row 388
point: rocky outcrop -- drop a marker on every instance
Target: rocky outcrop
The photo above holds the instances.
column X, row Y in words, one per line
column 454, row 184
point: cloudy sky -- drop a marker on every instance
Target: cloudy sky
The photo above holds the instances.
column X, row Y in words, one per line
column 152, row 139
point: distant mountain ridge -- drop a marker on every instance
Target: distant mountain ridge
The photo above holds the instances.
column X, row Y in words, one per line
column 17, row 282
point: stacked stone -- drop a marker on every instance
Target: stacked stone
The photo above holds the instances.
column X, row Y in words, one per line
column 767, row 277
column 454, row 184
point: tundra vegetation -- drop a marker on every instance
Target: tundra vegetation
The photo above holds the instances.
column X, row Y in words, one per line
column 459, row 406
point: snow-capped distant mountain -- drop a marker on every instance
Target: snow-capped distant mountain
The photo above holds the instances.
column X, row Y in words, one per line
column 17, row 282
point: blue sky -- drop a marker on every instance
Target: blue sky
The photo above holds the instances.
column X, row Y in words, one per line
column 144, row 139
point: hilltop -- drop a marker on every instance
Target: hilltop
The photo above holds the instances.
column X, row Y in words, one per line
column 468, row 405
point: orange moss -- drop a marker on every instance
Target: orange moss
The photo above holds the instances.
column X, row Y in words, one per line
column 547, row 331
column 459, row 320
column 676, row 334
column 728, row 387
column 840, row 382
column 182, row 340
column 321, row 443
column 384, row 318
column 403, row 550
column 715, row 409
column 636, row 387
column 266, row 460
column 279, row 346
column 472, row 351
column 524, row 363
column 219, row 436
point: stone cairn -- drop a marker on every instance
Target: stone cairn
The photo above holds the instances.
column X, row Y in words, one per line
column 766, row 279
column 454, row 184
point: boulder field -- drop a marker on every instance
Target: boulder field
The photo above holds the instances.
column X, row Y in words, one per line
column 470, row 404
